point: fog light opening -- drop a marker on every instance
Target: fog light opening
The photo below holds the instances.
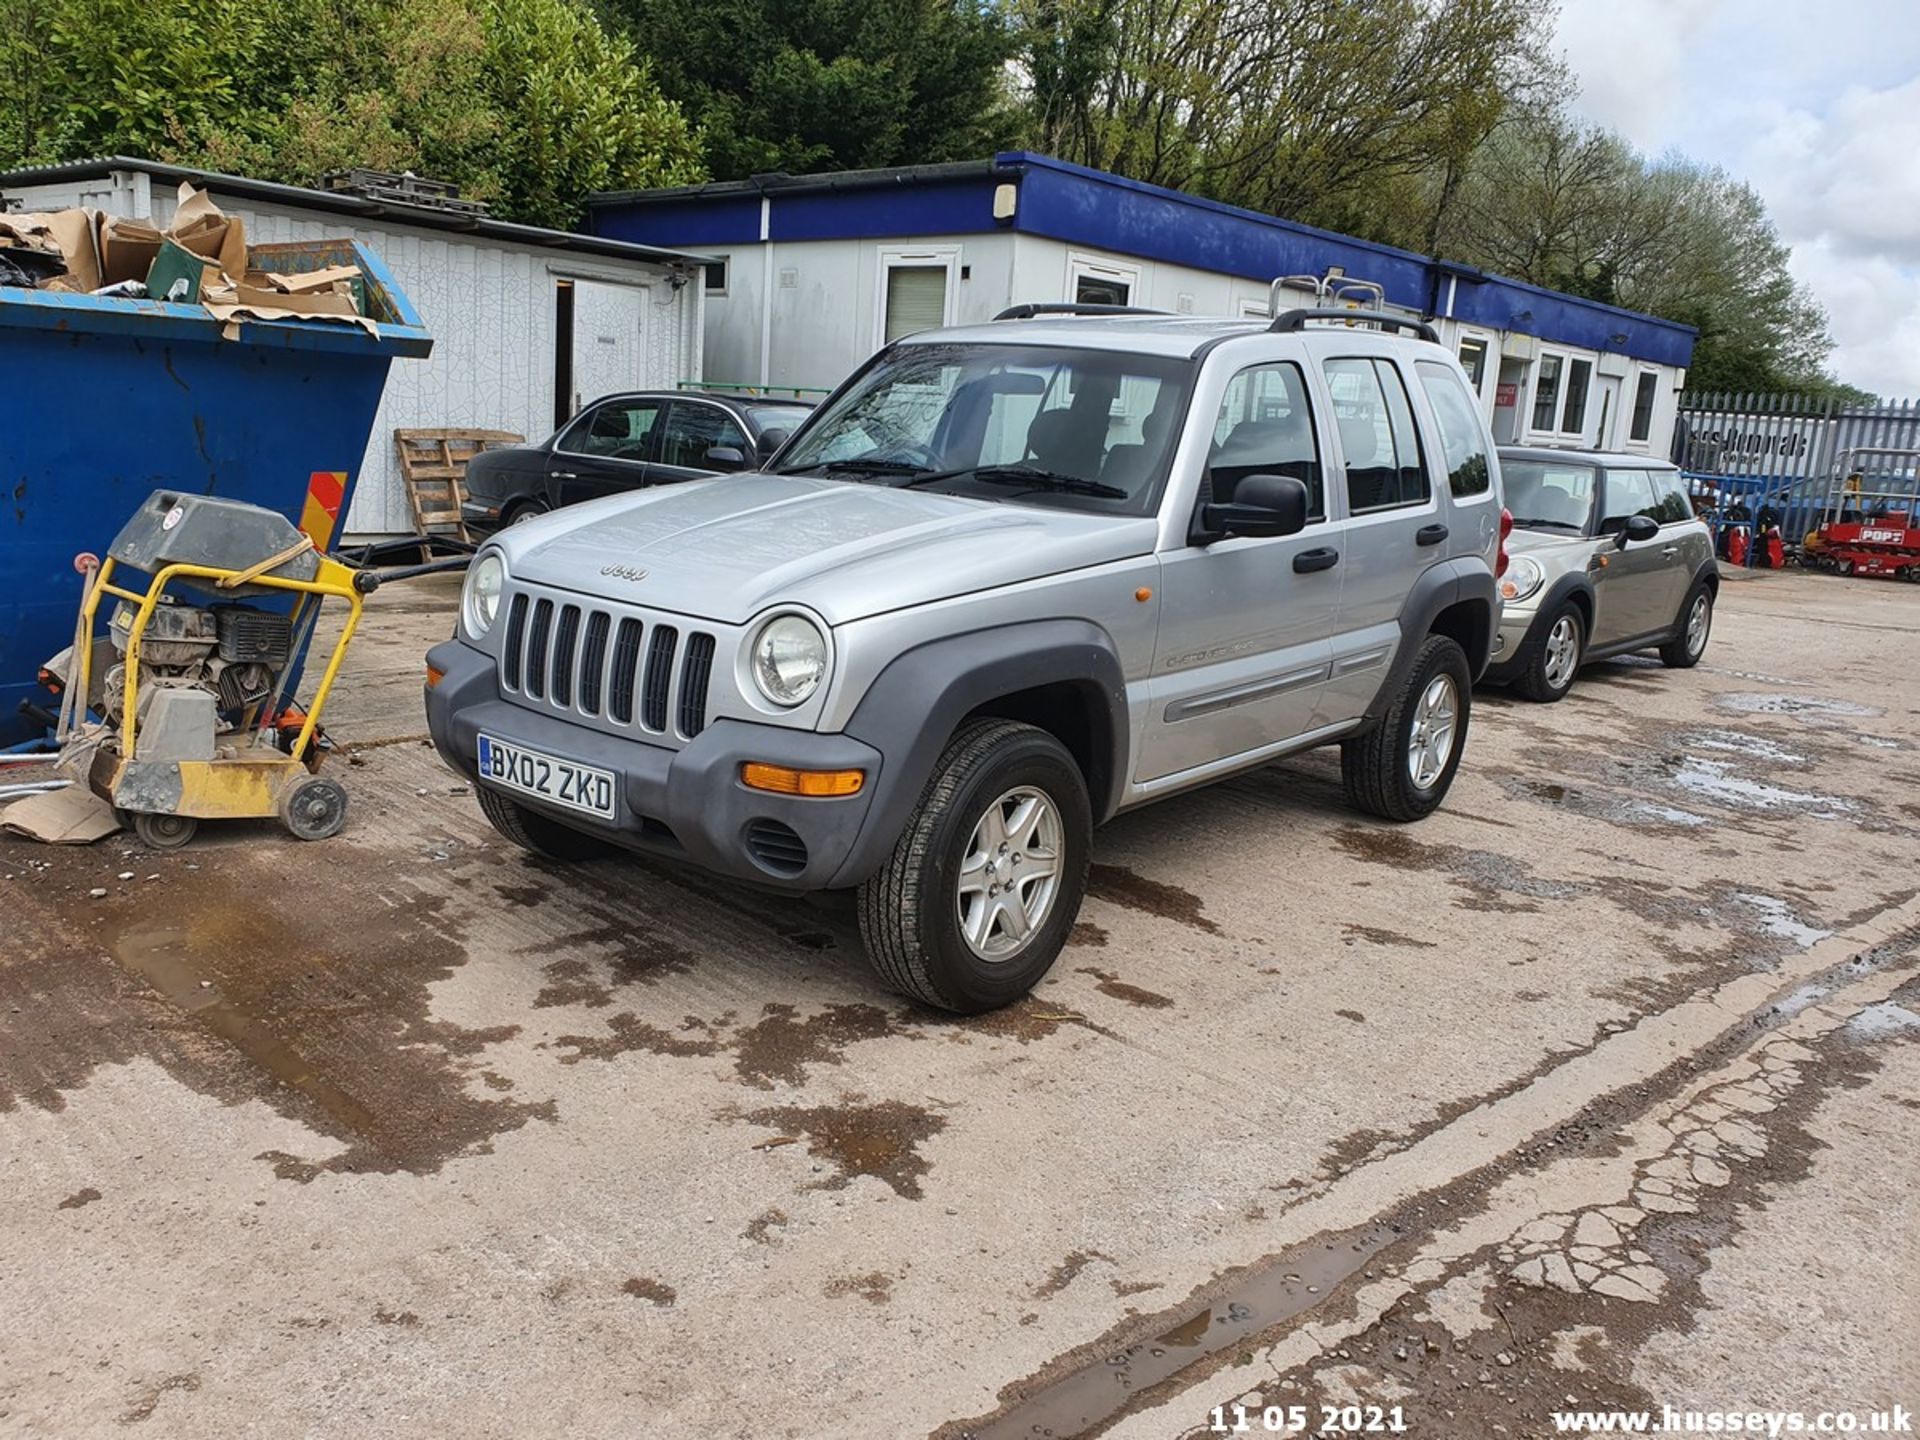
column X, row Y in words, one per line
column 780, row 780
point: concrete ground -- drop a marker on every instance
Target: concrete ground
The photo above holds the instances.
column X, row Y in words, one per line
column 1598, row 1089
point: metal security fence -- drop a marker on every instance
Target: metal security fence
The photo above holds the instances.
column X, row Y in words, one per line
column 1802, row 458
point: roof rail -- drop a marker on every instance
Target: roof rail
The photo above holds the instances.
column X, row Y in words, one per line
column 1064, row 307
column 1296, row 320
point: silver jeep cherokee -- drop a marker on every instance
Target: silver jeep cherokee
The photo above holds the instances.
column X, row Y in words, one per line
column 1006, row 583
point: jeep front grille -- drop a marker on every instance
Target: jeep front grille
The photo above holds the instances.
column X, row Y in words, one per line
column 585, row 661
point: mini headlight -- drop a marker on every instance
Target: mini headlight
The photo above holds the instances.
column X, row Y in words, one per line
column 789, row 659
column 1523, row 577
column 480, row 599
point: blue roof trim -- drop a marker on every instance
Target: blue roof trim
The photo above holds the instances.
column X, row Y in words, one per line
column 1078, row 206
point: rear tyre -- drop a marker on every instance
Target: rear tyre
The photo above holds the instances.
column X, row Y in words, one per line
column 1403, row 767
column 532, row 831
column 976, row 901
column 1549, row 675
column 164, row 832
column 1683, row 652
column 525, row 511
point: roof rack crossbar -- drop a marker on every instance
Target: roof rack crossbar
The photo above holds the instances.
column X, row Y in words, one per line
column 1064, row 307
column 1294, row 321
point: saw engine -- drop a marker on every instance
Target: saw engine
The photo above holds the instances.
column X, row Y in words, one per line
column 232, row 652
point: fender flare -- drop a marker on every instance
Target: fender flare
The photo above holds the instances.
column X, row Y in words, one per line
column 1438, row 588
column 916, row 703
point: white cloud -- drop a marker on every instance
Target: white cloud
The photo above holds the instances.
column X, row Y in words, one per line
column 1627, row 56
column 1818, row 110
column 1873, row 306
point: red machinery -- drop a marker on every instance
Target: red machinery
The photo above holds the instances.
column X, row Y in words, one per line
column 1870, row 532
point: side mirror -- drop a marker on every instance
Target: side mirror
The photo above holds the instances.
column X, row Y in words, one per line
column 772, row 439
column 1638, row 527
column 726, row 457
column 1262, row 505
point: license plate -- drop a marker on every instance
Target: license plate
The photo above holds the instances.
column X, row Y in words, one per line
column 585, row 788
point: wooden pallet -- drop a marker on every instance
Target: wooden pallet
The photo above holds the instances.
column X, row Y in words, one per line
column 434, row 463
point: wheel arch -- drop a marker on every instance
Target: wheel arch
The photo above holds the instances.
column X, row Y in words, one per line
column 1063, row 676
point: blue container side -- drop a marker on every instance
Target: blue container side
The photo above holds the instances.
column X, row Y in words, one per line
column 104, row 401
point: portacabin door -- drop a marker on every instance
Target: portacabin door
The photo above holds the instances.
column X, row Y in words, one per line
column 1244, row 648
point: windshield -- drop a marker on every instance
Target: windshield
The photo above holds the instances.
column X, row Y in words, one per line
column 1549, row 494
column 784, row 418
column 1082, row 429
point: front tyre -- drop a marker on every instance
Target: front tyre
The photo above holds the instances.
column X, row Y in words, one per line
column 533, row 831
column 1683, row 652
column 1549, row 675
column 1402, row 768
column 976, row 901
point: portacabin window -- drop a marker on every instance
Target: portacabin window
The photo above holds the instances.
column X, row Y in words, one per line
column 716, row 276
column 1378, row 440
column 1646, row 390
column 1573, row 414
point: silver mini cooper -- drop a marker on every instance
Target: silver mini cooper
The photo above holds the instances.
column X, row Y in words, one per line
column 1607, row 558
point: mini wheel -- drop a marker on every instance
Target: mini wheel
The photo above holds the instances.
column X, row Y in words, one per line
column 164, row 832
column 315, row 808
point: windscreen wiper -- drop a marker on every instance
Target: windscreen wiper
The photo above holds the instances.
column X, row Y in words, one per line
column 1030, row 477
column 1554, row 524
column 870, row 465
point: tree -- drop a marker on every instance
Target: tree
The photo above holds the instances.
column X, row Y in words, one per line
column 1575, row 208
column 1301, row 108
column 528, row 104
column 802, row 85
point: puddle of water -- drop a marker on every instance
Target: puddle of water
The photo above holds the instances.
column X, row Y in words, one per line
column 1119, row 886
column 1113, row 987
column 1879, row 1022
column 1777, row 918
column 1765, row 704
column 1714, row 780
column 161, row 955
column 879, row 1140
column 1749, row 747
column 1286, row 1286
column 1646, row 812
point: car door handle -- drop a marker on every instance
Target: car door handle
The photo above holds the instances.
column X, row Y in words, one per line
column 1307, row 561
column 1671, row 550
column 565, row 475
column 1429, row 534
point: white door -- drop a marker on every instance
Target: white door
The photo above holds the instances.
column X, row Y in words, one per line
column 609, row 340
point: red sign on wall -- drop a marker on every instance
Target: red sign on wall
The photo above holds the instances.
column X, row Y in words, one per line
column 1506, row 396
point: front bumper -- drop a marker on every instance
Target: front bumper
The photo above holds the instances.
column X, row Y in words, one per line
column 687, row 804
column 1520, row 635
column 481, row 517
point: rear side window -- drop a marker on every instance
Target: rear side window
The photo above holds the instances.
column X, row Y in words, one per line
column 1462, row 441
column 1377, row 437
column 1670, row 502
column 1629, row 492
column 1265, row 428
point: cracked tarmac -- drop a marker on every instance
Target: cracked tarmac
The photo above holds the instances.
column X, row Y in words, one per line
column 1602, row 1083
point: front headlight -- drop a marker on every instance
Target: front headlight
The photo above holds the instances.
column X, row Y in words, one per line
column 1523, row 577
column 480, row 597
column 789, row 659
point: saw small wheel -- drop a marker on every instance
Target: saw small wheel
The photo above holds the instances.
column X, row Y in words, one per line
column 315, row 809
column 164, row 832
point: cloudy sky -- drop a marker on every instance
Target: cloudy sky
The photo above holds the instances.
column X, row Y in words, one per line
column 1817, row 106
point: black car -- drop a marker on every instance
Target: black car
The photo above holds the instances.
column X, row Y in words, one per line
column 626, row 442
